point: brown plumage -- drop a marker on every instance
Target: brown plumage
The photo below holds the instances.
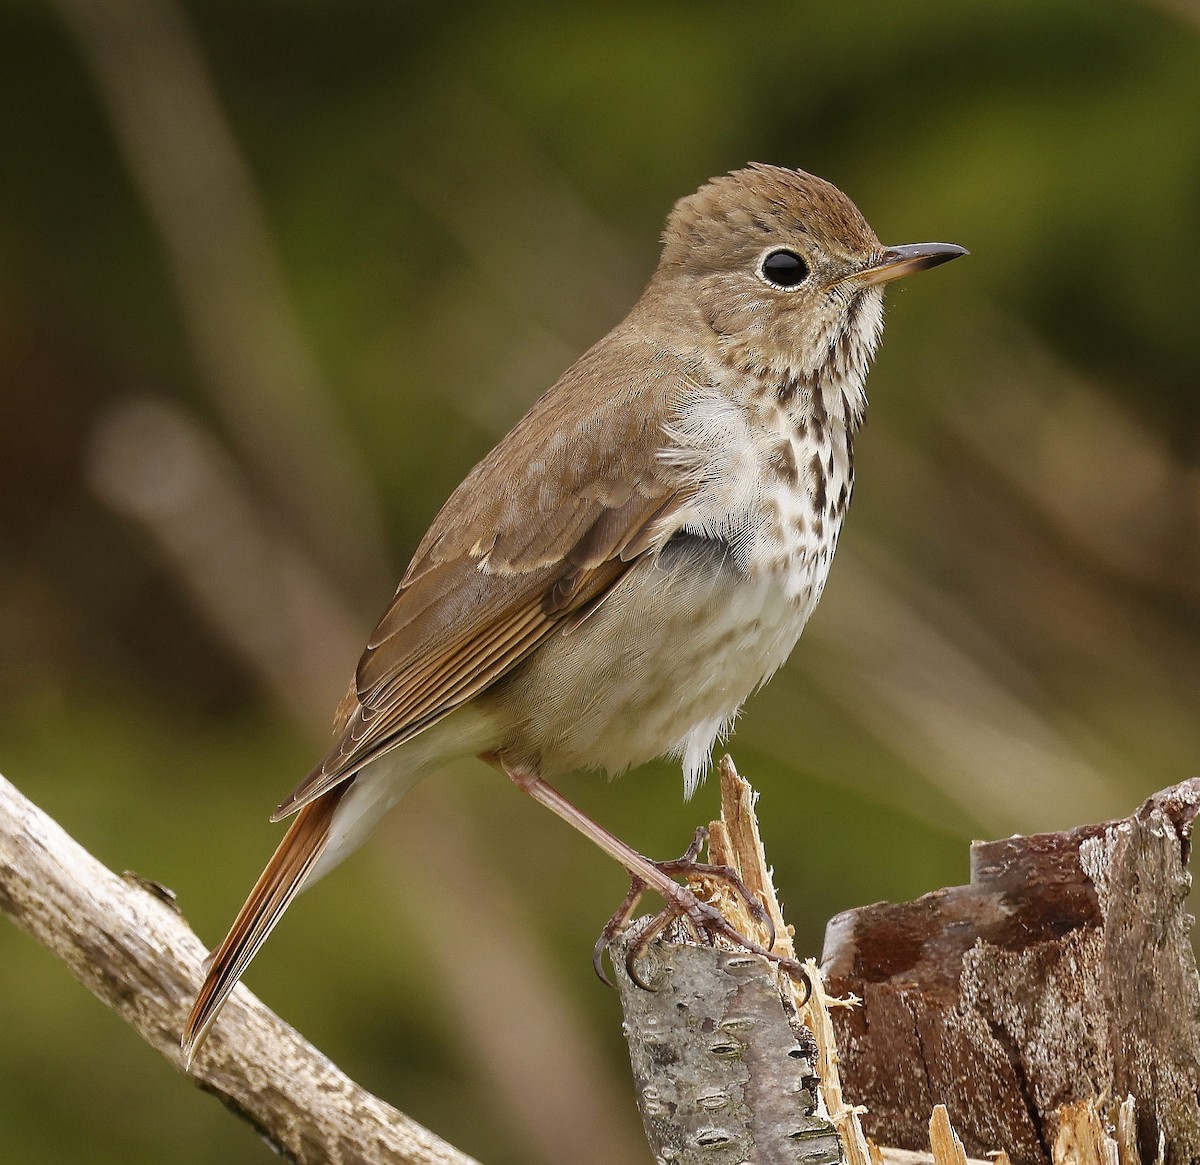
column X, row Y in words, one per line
column 640, row 552
column 277, row 885
column 511, row 556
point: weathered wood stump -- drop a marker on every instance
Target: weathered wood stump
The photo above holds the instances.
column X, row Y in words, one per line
column 722, row 1073
column 1062, row 972
column 1052, row 1006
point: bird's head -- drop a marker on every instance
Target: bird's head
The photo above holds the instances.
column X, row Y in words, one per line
column 784, row 272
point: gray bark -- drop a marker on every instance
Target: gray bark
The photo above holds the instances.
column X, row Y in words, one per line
column 723, row 1074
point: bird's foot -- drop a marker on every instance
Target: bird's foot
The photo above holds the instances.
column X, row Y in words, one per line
column 705, row 920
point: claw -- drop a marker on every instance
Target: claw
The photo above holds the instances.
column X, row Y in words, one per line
column 693, row 851
column 614, row 926
column 598, row 957
column 704, row 919
column 637, row 948
column 758, row 912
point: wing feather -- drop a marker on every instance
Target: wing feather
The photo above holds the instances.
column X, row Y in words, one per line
column 535, row 537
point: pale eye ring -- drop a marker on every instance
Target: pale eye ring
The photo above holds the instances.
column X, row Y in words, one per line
column 783, row 269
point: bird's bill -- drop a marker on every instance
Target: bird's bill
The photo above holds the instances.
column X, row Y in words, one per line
column 896, row 262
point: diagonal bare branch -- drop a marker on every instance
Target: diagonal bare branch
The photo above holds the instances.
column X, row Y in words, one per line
column 126, row 942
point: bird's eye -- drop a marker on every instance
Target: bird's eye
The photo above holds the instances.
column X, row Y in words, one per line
column 784, row 269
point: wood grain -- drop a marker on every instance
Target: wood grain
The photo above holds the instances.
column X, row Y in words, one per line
column 1063, row 971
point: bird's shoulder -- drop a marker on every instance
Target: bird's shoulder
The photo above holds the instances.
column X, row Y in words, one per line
column 594, row 442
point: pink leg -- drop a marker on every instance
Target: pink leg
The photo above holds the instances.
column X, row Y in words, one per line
column 646, row 874
column 639, row 867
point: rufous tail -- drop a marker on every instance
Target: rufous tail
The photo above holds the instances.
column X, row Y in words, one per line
column 278, row 884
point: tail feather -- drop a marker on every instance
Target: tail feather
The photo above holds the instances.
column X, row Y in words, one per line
column 278, row 884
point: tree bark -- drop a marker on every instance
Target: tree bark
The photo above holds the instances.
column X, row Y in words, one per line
column 724, row 1067
column 722, row 1074
column 1062, row 972
column 1053, row 1005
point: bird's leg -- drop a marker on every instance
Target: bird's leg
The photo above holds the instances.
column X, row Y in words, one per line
column 624, row 912
column 705, row 919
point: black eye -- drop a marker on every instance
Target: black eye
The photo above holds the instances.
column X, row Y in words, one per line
column 784, row 269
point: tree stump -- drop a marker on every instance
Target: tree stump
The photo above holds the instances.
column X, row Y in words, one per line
column 1063, row 972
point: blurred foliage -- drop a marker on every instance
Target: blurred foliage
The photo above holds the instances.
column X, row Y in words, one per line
column 423, row 214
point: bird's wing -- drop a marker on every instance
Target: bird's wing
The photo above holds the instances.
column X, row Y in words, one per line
column 537, row 534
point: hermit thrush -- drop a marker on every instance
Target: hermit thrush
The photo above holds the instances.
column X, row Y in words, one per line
column 637, row 555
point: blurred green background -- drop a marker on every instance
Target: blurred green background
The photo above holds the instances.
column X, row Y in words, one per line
column 274, row 275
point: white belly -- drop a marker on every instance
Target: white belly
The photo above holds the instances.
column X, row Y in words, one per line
column 662, row 666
